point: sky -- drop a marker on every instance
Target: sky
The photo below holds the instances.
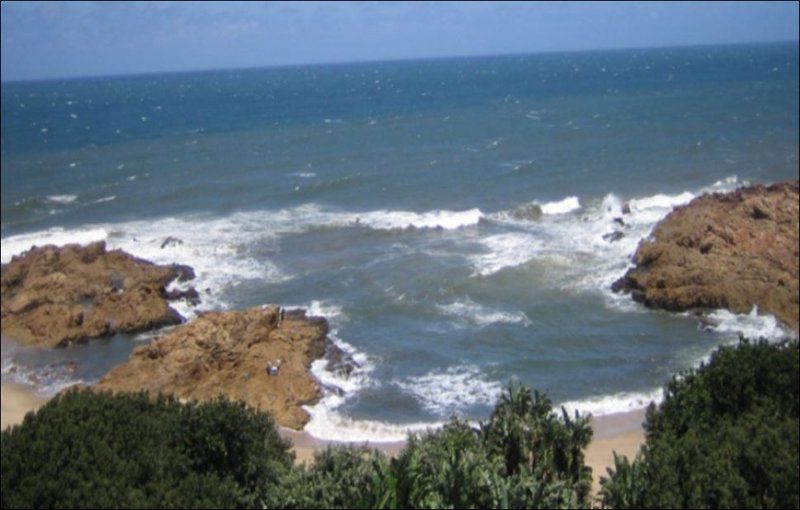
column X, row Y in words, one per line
column 70, row 39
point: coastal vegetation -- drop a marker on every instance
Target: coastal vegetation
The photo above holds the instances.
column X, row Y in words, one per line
column 726, row 435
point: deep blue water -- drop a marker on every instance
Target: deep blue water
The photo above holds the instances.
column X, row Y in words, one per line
column 391, row 197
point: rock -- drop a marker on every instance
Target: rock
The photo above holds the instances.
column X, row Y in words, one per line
column 527, row 212
column 55, row 296
column 170, row 241
column 189, row 295
column 732, row 250
column 613, row 236
column 339, row 362
column 227, row 354
column 626, row 208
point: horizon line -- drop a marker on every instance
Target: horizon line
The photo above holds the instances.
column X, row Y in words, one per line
column 387, row 60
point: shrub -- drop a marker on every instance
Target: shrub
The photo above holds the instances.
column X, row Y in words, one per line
column 726, row 435
column 340, row 477
column 84, row 449
column 525, row 456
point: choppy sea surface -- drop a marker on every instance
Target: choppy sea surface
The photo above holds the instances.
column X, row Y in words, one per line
column 447, row 216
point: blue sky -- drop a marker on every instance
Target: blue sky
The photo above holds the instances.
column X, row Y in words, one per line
column 55, row 39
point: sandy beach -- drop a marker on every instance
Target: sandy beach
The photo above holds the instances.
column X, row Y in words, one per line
column 621, row 432
column 17, row 401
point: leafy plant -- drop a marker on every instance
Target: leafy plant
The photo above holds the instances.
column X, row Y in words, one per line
column 726, row 435
column 84, row 449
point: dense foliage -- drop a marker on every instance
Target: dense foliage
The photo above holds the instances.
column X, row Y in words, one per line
column 84, row 449
column 97, row 450
column 726, row 436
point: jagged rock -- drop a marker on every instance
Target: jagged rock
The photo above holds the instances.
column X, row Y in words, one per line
column 55, row 296
column 613, row 236
column 189, row 295
column 339, row 362
column 527, row 212
column 227, row 354
column 732, row 250
column 170, row 241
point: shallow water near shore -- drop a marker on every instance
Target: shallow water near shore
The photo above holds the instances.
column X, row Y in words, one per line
column 446, row 216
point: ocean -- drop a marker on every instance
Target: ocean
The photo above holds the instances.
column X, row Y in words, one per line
column 447, row 216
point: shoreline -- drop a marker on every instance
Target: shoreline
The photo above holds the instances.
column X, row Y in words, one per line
column 620, row 432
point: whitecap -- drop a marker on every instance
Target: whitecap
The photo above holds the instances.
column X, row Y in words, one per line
column 472, row 312
column 749, row 325
column 621, row 402
column 62, row 199
column 564, row 206
column 457, row 388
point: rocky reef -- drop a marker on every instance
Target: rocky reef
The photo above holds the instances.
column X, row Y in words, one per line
column 261, row 356
column 734, row 250
column 53, row 296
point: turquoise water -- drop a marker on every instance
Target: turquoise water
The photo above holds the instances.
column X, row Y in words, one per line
column 395, row 199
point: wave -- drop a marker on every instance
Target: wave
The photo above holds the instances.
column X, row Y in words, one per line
column 564, row 206
column 220, row 249
column 621, row 402
column 444, row 392
column 592, row 246
column 749, row 325
column 480, row 315
column 62, row 199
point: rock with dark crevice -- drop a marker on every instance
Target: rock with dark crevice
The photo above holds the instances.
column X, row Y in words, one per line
column 54, row 296
column 724, row 250
column 228, row 354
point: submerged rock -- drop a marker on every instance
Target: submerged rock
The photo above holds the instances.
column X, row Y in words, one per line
column 732, row 250
column 55, row 296
column 228, row 354
column 613, row 236
column 527, row 212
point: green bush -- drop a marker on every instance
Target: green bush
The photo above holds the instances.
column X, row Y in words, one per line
column 84, row 449
column 726, row 436
column 340, row 477
column 525, row 456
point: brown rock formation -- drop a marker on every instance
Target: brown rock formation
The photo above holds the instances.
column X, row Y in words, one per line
column 55, row 296
column 731, row 250
column 227, row 354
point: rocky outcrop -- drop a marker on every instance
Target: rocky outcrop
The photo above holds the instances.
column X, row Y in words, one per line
column 228, row 354
column 732, row 250
column 55, row 296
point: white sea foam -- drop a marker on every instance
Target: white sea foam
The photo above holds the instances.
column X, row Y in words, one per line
column 390, row 220
column 215, row 248
column 564, row 206
column 480, row 315
column 15, row 245
column 587, row 260
column 219, row 248
column 454, row 389
column 303, row 175
column 62, row 199
column 616, row 403
column 47, row 382
column 105, row 199
column 506, row 250
column 327, row 424
column 750, row 325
